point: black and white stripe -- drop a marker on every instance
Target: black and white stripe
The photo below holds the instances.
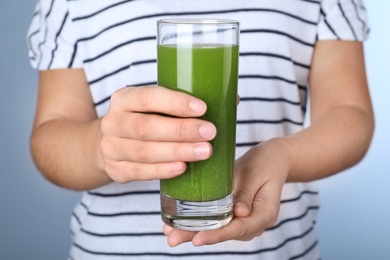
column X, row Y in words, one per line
column 219, row 254
column 114, row 42
column 130, row 217
column 345, row 19
column 46, row 30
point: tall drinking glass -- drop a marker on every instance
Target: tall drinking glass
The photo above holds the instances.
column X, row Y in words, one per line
column 200, row 57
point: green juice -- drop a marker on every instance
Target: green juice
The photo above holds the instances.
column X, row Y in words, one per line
column 211, row 74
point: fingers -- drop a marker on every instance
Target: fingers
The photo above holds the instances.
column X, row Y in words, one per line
column 259, row 178
column 150, row 160
column 149, row 132
column 243, row 201
column 121, row 149
column 265, row 208
column 264, row 214
column 246, row 185
column 252, row 171
column 167, row 229
column 125, row 171
column 177, row 237
column 158, row 99
column 131, row 160
column 158, row 128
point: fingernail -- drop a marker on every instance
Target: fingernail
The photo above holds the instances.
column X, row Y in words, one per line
column 207, row 131
column 197, row 243
column 241, row 205
column 198, row 106
column 202, row 151
column 177, row 167
column 241, row 209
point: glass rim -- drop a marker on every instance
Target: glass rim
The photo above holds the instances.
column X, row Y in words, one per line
column 198, row 21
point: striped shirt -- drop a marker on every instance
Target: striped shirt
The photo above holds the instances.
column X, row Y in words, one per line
column 114, row 41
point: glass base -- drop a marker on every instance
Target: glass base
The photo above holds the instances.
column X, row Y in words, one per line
column 196, row 216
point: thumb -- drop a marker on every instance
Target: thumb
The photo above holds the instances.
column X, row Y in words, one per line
column 243, row 199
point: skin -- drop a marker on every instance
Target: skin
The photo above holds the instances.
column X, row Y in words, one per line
column 74, row 149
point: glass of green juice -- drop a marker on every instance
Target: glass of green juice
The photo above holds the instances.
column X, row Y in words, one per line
column 200, row 57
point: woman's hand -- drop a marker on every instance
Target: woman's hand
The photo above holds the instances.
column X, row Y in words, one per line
column 259, row 177
column 341, row 129
column 150, row 132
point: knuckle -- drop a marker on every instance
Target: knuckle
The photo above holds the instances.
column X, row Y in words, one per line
column 116, row 96
column 117, row 171
column 107, row 148
column 104, row 146
column 180, row 130
column 112, row 171
column 105, row 124
column 137, row 173
column 176, row 152
column 144, row 96
column 141, row 125
column 140, row 152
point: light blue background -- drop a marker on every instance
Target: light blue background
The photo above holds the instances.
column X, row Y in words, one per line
column 354, row 221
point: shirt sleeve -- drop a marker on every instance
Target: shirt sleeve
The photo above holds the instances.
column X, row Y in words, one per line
column 343, row 20
column 51, row 40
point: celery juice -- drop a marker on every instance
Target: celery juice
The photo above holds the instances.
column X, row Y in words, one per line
column 208, row 73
